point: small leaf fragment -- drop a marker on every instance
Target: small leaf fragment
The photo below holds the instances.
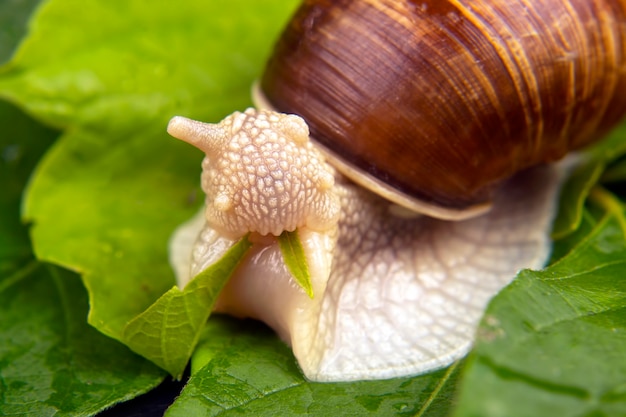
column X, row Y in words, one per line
column 167, row 332
column 295, row 259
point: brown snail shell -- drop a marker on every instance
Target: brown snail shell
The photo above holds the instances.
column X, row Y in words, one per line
column 438, row 101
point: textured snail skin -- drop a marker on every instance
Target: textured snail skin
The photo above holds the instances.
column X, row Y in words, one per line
column 443, row 99
column 261, row 174
column 393, row 296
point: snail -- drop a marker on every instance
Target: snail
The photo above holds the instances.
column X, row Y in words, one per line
column 408, row 143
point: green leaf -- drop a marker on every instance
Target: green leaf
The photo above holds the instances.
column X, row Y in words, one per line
column 106, row 198
column 136, row 62
column 293, row 254
column 21, row 145
column 611, row 147
column 554, row 342
column 573, row 197
column 51, row 361
column 611, row 204
column 251, row 372
column 167, row 332
column 584, row 177
column 13, row 18
column 566, row 244
column 104, row 211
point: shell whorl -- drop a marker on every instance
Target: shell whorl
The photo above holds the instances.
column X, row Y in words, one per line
column 443, row 99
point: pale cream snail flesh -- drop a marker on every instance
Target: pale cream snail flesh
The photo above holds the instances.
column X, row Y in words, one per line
column 393, row 296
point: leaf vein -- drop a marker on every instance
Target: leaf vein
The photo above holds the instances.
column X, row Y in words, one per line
column 542, row 384
column 433, row 395
column 261, row 395
column 590, row 270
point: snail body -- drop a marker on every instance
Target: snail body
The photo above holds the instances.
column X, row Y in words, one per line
column 434, row 103
column 441, row 107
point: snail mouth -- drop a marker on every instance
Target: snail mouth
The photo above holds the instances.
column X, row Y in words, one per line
column 262, row 288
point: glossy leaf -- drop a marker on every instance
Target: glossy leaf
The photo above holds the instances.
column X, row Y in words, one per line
column 51, row 361
column 554, row 342
column 250, row 372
